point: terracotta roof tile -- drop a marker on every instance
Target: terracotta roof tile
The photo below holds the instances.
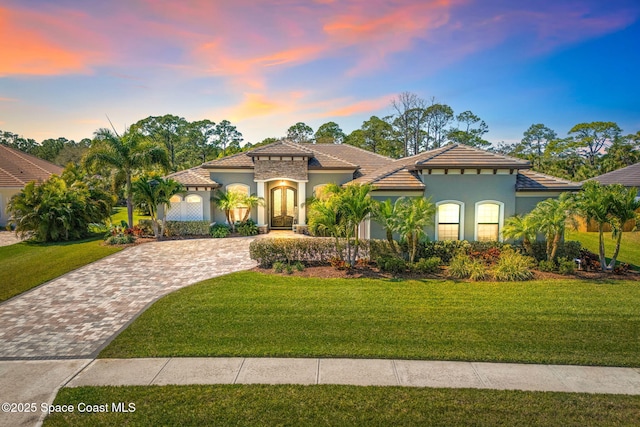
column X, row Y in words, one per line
column 18, row 168
column 464, row 156
column 366, row 161
column 238, row 160
column 628, row 176
column 194, row 177
column 528, row 180
column 280, row 148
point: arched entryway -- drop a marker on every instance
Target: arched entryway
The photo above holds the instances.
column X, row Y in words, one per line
column 283, row 206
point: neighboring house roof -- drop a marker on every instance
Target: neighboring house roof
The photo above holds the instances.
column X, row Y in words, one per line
column 17, row 168
column 528, row 180
column 194, row 177
column 464, row 156
column 628, row 176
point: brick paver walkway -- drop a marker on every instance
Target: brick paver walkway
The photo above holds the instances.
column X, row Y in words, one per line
column 74, row 315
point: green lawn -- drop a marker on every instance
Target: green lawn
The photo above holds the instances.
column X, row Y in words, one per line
column 253, row 314
column 120, row 214
column 330, row 405
column 629, row 249
column 26, row 265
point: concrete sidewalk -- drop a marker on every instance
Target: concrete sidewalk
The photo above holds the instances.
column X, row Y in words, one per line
column 377, row 372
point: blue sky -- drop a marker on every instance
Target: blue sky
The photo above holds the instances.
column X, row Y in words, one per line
column 266, row 65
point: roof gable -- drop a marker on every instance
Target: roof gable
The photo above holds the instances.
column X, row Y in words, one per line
column 18, row 168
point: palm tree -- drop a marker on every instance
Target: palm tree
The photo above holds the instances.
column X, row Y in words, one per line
column 385, row 213
column 153, row 193
column 520, row 227
column 413, row 215
column 250, row 202
column 550, row 217
column 623, row 207
column 228, row 201
column 127, row 154
column 354, row 205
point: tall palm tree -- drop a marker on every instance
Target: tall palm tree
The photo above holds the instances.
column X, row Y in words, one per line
column 413, row 215
column 593, row 203
column 250, row 202
column 520, row 227
column 127, row 154
column 228, row 201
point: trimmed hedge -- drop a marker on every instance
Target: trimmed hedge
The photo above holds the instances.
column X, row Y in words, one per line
column 267, row 251
column 569, row 249
column 187, row 228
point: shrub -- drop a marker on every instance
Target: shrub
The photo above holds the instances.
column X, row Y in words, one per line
column 392, row 265
column 248, row 228
column 546, row 266
column 462, row 267
column 427, row 265
column 338, row 264
column 569, row 249
column 446, row 250
column 219, row 231
column 146, row 225
column 513, row 266
column 566, row 266
column 278, row 266
column 298, row 266
column 120, row 239
column 186, row 228
column 288, row 268
column 317, row 249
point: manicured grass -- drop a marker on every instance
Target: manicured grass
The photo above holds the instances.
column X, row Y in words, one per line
column 629, row 249
column 295, row 405
column 26, row 265
column 120, row 214
column 253, row 314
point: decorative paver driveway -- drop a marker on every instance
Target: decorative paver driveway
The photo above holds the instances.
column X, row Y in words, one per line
column 75, row 314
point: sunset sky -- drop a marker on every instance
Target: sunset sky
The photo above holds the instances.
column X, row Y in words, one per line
column 265, row 65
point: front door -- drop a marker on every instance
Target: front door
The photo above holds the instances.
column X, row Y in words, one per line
column 283, row 205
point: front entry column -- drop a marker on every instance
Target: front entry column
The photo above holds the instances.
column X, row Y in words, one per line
column 302, row 206
column 262, row 209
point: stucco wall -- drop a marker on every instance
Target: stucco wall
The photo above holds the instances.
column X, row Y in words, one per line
column 327, row 178
column 5, row 196
column 525, row 204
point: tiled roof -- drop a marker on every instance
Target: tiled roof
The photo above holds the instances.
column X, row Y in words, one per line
column 394, row 176
column 528, row 180
column 628, row 176
column 365, row 160
column 195, row 177
column 18, row 168
column 280, row 148
column 239, row 160
column 464, row 156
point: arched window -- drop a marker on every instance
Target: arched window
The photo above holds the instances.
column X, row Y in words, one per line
column 449, row 220
column 243, row 189
column 489, row 219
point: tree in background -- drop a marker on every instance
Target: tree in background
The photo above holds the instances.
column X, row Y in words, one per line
column 128, row 154
column 300, row 132
column 18, row 142
column 329, row 133
column 534, row 143
column 590, row 138
column 470, row 130
column 376, row 135
column 168, row 131
column 409, row 121
column 228, row 137
column 438, row 117
column 201, row 138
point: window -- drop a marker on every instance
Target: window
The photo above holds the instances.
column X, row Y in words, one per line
column 488, row 221
column 238, row 213
column 449, row 224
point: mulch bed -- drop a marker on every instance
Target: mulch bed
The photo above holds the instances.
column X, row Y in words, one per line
column 373, row 273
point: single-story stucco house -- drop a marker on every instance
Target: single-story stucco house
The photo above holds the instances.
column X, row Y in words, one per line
column 474, row 190
column 16, row 170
